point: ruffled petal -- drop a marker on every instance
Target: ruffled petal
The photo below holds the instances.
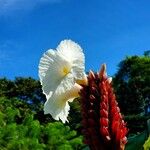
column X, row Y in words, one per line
column 66, row 84
column 74, row 54
column 57, row 105
column 51, row 71
column 58, row 108
column 45, row 61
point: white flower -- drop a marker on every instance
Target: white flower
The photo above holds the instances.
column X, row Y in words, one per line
column 58, row 71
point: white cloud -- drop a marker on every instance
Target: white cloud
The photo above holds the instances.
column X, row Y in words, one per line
column 9, row 6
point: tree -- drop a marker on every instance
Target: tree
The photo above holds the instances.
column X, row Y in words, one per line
column 6, row 87
column 26, row 89
column 19, row 130
column 147, row 53
column 29, row 90
column 132, row 84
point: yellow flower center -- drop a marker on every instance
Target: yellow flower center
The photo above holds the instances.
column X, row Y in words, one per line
column 66, row 70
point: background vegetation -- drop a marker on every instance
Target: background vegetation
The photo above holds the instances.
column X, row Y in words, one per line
column 23, row 125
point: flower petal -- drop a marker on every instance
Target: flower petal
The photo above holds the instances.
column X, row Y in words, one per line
column 58, row 108
column 74, row 54
column 51, row 71
column 57, row 105
column 65, row 84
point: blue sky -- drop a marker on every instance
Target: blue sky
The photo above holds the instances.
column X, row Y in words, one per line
column 108, row 31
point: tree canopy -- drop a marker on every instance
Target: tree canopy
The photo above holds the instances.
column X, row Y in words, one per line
column 23, row 125
column 132, row 84
column 20, row 130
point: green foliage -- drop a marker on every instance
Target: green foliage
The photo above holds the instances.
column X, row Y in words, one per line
column 55, row 140
column 26, row 89
column 131, row 83
column 147, row 144
column 6, row 87
column 19, row 130
column 147, row 53
column 136, row 142
column 75, row 115
column 136, row 123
